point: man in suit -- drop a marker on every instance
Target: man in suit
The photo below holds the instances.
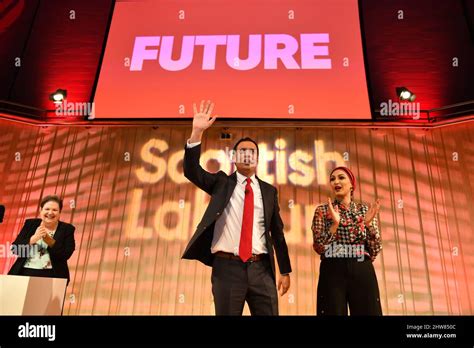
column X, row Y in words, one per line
column 240, row 228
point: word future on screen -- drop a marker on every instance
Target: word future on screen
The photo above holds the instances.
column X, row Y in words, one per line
column 276, row 47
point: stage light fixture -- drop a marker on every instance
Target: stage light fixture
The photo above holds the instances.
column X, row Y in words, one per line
column 405, row 94
column 58, row 96
column 226, row 136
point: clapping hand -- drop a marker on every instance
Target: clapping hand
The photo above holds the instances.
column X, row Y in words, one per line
column 372, row 212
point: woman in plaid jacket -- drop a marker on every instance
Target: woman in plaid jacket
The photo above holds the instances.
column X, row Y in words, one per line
column 347, row 237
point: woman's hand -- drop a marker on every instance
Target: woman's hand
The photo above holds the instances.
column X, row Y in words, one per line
column 40, row 233
column 372, row 212
column 49, row 240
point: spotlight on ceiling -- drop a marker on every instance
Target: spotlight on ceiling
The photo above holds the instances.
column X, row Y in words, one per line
column 405, row 94
column 58, row 96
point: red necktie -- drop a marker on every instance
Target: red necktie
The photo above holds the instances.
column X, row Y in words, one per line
column 245, row 247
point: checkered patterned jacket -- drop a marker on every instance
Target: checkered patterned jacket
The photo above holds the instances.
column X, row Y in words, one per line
column 351, row 230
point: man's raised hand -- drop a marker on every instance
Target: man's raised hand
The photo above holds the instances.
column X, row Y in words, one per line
column 202, row 120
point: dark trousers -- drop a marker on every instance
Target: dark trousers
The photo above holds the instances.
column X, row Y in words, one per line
column 234, row 282
column 348, row 281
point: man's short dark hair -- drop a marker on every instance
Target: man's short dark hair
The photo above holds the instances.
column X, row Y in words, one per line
column 52, row 198
column 246, row 139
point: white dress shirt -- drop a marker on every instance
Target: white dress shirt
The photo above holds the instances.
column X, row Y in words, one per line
column 228, row 226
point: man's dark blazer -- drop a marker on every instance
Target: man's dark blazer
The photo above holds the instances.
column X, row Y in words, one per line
column 59, row 253
column 220, row 187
